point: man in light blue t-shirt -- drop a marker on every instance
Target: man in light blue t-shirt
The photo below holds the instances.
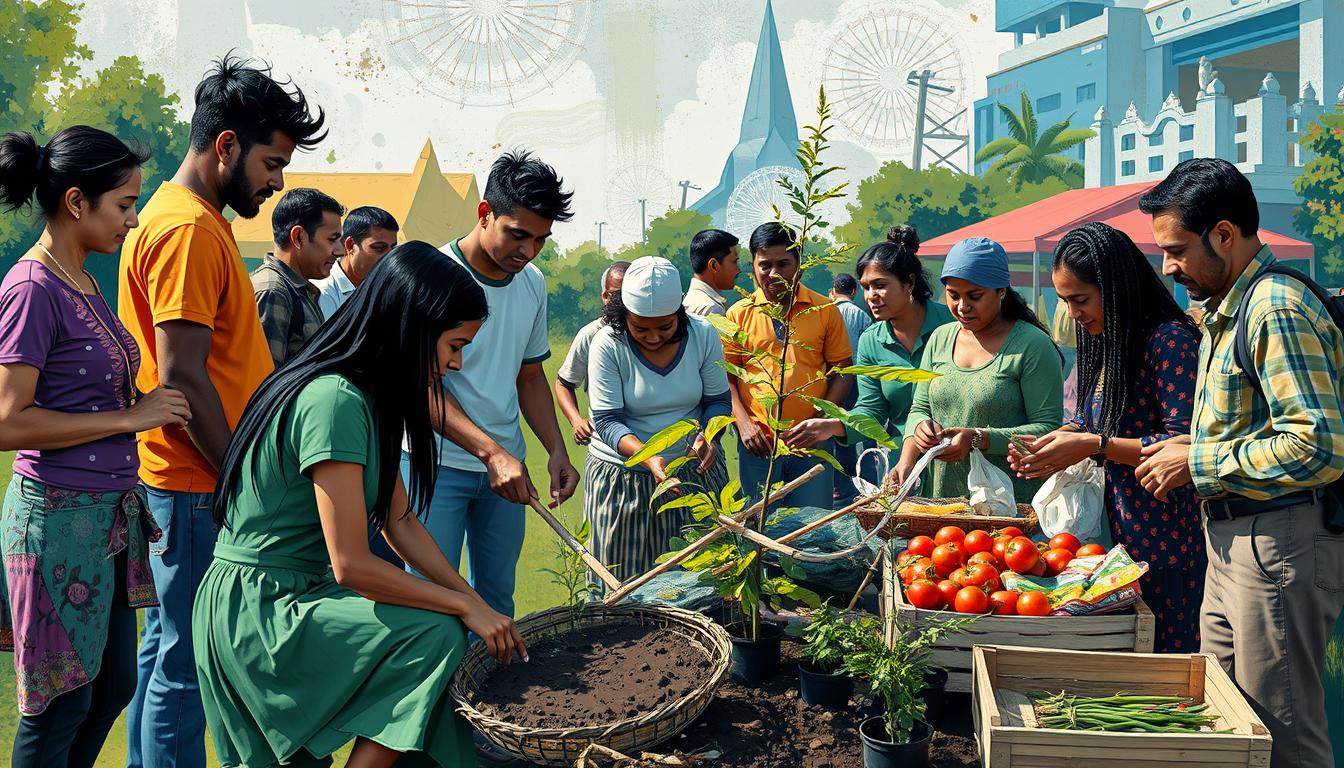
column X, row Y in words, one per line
column 482, row 486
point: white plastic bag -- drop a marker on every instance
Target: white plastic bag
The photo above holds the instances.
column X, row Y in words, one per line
column 1073, row 500
column 864, row 487
column 990, row 489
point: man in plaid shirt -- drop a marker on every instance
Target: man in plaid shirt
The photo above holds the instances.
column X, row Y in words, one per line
column 1260, row 460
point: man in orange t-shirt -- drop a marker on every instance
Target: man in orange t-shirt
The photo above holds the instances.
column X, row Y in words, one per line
column 186, row 297
column 818, row 343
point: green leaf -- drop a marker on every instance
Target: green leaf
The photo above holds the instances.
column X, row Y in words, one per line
column 723, row 325
column 717, row 425
column 791, row 567
column 859, row 422
column 662, row 441
column 665, row 486
column 728, row 495
column 819, row 453
column 675, row 465
column 735, row 370
column 888, row 373
column 681, row 502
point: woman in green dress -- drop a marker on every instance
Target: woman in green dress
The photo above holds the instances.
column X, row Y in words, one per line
column 1001, row 375
column 304, row 639
column 897, row 291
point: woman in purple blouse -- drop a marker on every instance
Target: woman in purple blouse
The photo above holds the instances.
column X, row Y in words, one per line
column 74, row 536
column 1138, row 357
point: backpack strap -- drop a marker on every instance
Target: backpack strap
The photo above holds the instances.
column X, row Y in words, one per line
column 1242, row 348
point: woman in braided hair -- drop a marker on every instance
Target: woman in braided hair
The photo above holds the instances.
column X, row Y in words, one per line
column 1137, row 362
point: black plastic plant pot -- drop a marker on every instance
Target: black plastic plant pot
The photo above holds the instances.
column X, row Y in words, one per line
column 935, row 695
column 879, row 751
column 832, row 690
column 754, row 662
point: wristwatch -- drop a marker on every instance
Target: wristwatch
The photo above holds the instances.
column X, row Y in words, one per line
column 976, row 443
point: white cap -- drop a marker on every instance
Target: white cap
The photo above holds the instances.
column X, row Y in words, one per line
column 652, row 287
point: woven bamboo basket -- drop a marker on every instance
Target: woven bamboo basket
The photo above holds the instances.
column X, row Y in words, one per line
column 907, row 524
column 563, row 746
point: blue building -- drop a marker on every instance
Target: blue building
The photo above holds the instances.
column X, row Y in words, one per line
column 1073, row 57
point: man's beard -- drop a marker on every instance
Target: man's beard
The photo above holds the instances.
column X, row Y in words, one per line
column 238, row 195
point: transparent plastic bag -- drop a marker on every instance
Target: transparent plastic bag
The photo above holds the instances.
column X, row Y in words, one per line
column 1073, row 501
column 861, row 485
column 989, row 488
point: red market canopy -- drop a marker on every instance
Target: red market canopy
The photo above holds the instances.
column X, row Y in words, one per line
column 1034, row 230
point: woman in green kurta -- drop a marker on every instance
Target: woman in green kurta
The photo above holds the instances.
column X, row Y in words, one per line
column 897, row 291
column 303, row 638
column 1001, row 375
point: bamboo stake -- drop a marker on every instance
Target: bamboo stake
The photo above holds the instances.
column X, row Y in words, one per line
column 707, row 539
column 592, row 562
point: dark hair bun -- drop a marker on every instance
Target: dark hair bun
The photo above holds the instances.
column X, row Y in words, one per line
column 19, row 161
column 904, row 236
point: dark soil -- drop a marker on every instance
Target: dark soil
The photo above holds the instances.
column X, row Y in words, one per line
column 772, row 727
column 595, row 678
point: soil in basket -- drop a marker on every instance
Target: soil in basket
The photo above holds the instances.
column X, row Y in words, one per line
column 771, row 727
column 596, row 676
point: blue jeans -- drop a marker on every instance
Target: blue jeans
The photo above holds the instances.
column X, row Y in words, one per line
column 464, row 508
column 751, row 471
column 165, row 721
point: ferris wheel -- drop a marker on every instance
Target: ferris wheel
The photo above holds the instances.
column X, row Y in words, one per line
column 755, row 198
column 868, row 68
column 628, row 188
column 486, row 52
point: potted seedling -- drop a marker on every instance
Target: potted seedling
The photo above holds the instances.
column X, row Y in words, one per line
column 897, row 674
column 828, row 639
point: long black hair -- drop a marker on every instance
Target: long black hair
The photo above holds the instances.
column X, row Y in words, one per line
column 897, row 257
column 1134, row 301
column 384, row 340
column 88, row 159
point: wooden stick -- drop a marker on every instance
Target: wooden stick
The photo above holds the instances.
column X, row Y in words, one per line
column 868, row 577
column 592, row 562
column 707, row 539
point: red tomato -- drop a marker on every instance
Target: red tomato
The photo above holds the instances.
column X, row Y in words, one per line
column 1004, row 602
column 1000, row 550
column 924, row 594
column 949, row 591
column 948, row 558
column 1033, row 604
column 920, row 569
column 984, row 557
column 906, row 558
column 1039, row 568
column 977, row 541
column 921, row 545
column 983, row 575
column 948, row 534
column 971, row 600
column 960, row 577
column 1065, row 541
column 1057, row 560
column 1087, row 550
column 1011, row 530
column 1021, row 554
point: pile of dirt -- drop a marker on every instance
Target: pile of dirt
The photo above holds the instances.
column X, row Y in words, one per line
column 595, row 677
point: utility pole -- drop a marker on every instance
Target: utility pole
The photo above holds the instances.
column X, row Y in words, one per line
column 685, row 185
column 599, row 224
column 643, row 220
column 941, row 130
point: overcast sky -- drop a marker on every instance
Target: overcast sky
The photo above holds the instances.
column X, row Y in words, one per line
column 646, row 93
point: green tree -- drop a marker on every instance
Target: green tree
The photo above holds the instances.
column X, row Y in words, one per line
column 1029, row 155
column 934, row 200
column 45, row 89
column 1321, row 185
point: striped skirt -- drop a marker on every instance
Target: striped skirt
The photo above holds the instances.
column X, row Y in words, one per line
column 628, row 534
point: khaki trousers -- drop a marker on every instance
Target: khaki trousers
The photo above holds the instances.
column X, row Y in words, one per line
column 1273, row 590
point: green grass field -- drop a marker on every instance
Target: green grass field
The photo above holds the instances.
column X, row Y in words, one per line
column 534, row 590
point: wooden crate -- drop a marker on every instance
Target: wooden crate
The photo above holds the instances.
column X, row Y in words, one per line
column 1005, row 723
column 1127, row 632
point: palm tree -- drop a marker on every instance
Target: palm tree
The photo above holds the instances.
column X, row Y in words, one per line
column 1029, row 157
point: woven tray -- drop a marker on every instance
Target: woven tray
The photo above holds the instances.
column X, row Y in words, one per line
column 907, row 524
column 562, row 746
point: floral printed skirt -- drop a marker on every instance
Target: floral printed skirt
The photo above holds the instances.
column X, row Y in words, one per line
column 60, row 548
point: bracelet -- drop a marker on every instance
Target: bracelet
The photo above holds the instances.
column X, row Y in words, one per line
column 975, row 440
column 1100, row 456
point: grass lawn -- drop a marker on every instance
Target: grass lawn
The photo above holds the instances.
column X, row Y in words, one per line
column 534, row 590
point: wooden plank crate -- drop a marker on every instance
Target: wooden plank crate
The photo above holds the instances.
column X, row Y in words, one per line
column 1005, row 722
column 1128, row 632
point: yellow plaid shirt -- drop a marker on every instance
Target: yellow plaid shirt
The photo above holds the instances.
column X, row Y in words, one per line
column 1291, row 438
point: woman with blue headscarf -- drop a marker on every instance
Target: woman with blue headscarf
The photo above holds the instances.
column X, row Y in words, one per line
column 1001, row 375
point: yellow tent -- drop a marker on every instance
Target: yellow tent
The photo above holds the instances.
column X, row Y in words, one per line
column 429, row 204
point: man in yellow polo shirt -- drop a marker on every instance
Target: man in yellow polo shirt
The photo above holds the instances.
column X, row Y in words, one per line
column 818, row 342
